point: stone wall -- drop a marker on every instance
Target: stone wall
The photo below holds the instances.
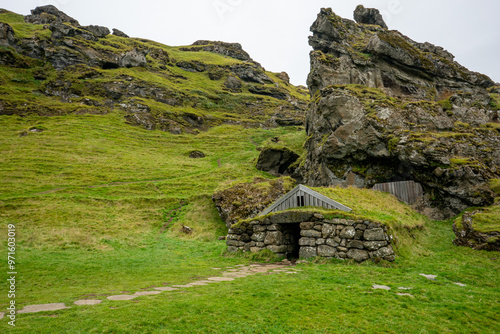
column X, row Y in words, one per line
column 306, row 235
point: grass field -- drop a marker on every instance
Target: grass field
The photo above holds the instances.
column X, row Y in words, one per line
column 98, row 207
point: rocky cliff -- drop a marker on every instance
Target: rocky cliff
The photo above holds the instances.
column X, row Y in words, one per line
column 54, row 66
column 386, row 108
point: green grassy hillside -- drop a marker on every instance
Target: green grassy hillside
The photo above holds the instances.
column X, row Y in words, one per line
column 99, row 204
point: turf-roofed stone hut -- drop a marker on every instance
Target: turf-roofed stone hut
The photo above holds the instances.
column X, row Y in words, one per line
column 292, row 227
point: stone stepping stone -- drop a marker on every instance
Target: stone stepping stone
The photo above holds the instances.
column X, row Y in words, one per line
column 87, row 302
column 239, row 265
column 198, row 283
column 182, row 286
column 291, row 272
column 43, row 307
column 122, row 297
column 220, row 279
column 404, row 294
column 380, row 287
column 460, row 284
column 429, row 277
column 216, row 268
column 166, row 288
column 403, row 288
column 2, row 314
column 233, row 270
column 146, row 293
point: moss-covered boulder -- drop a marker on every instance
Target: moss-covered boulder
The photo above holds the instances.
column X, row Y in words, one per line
column 246, row 200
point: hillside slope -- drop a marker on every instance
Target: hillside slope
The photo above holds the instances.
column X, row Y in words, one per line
column 50, row 65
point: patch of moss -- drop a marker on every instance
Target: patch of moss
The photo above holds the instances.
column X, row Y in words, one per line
column 495, row 186
column 445, row 104
column 494, row 102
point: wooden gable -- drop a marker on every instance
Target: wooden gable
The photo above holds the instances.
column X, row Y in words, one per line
column 302, row 196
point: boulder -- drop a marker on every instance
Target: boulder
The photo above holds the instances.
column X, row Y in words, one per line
column 61, row 30
column 133, row 58
column 247, row 200
column 250, row 73
column 233, row 50
column 284, row 76
column 119, row 33
column 369, row 16
column 49, row 14
column 196, row 154
column 99, row 31
column 233, row 84
column 6, row 34
column 276, row 161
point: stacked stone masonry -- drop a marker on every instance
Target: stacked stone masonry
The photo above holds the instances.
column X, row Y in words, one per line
column 306, row 235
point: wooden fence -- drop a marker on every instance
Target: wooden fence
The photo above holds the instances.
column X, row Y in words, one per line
column 406, row 191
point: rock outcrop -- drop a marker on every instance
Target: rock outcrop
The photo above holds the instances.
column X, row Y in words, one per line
column 246, row 200
column 385, row 108
column 369, row 16
column 77, row 66
column 276, row 161
column 468, row 236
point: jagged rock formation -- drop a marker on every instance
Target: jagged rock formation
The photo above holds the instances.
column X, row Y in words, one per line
column 91, row 71
column 385, row 108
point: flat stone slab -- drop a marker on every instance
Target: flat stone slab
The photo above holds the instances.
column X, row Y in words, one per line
column 380, row 287
column 404, row 294
column 460, row 284
column 198, row 284
column 166, row 288
column 290, row 272
column 146, row 293
column 429, row 277
column 183, row 286
column 87, row 302
column 122, row 297
column 216, row 268
column 403, row 288
column 220, row 279
column 43, row 308
column 2, row 314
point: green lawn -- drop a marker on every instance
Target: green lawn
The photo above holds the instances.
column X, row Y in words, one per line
column 98, row 206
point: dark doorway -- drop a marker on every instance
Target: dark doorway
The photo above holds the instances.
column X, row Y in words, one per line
column 292, row 236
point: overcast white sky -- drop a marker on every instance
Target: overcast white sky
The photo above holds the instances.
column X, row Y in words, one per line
column 275, row 32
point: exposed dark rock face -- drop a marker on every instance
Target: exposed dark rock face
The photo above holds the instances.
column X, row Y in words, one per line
column 385, row 108
column 276, row 161
column 369, row 16
column 49, row 14
column 99, row 31
column 247, row 200
column 233, row 50
column 119, row 33
column 196, row 154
